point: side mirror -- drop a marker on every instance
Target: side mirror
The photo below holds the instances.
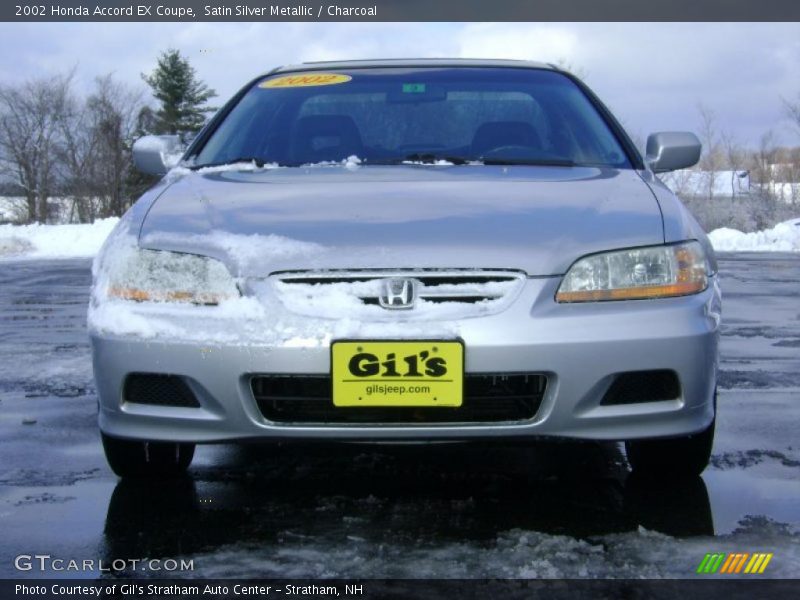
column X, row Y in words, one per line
column 671, row 150
column 157, row 154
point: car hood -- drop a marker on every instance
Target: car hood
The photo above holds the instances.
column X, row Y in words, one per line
column 535, row 219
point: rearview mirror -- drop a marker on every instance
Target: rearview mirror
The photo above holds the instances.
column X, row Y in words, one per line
column 157, row 154
column 672, row 150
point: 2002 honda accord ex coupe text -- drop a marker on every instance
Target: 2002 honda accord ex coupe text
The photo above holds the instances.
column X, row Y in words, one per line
column 398, row 250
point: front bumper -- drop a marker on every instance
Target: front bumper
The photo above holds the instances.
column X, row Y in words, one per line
column 581, row 347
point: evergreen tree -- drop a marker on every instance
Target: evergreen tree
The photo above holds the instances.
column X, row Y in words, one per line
column 181, row 95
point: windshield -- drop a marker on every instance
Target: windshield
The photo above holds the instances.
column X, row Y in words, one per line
column 397, row 115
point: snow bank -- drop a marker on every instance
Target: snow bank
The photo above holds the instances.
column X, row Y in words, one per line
column 54, row 241
column 784, row 237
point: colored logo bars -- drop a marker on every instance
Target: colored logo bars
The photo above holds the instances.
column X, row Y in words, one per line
column 736, row 562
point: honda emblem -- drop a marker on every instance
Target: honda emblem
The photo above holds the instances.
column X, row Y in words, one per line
column 398, row 293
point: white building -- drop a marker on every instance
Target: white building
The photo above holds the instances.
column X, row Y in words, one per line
column 721, row 184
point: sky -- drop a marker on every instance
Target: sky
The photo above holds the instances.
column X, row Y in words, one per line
column 653, row 76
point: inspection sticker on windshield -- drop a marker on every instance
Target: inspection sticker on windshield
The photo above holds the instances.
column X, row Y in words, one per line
column 413, row 88
column 305, row 80
column 397, row 373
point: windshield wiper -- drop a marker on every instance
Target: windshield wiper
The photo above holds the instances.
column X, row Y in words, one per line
column 532, row 162
column 419, row 157
column 259, row 162
column 430, row 157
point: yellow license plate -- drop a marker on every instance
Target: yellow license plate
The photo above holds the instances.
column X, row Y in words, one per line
column 397, row 373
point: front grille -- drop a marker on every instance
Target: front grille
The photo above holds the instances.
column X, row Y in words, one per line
column 488, row 398
column 158, row 390
column 642, row 386
column 320, row 291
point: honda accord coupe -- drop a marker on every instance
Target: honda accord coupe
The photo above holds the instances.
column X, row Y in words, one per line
column 408, row 250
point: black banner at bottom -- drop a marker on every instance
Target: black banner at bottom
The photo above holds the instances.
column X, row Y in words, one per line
column 369, row 589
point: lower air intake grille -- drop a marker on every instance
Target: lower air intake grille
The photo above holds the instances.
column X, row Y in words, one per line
column 158, row 390
column 488, row 398
column 642, row 386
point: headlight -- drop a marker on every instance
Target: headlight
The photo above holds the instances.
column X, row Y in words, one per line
column 158, row 276
column 655, row 272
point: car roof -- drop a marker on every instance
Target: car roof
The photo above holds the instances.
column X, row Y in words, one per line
column 413, row 62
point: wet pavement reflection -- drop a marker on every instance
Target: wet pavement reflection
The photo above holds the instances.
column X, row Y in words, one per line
column 417, row 494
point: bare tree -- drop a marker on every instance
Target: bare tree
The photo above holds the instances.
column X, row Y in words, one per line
column 735, row 158
column 570, row 67
column 113, row 109
column 762, row 161
column 793, row 173
column 76, row 154
column 792, row 110
column 30, row 119
column 710, row 162
column 682, row 182
column 97, row 150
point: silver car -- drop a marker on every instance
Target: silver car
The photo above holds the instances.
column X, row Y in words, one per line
column 396, row 250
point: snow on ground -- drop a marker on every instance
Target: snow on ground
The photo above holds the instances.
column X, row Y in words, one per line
column 54, row 241
column 784, row 237
column 515, row 553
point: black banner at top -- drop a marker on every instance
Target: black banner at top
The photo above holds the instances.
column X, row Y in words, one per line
column 399, row 10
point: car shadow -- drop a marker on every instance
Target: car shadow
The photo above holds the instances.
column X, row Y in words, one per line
column 436, row 492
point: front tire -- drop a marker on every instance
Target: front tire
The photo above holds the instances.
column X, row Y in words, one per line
column 676, row 457
column 132, row 458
